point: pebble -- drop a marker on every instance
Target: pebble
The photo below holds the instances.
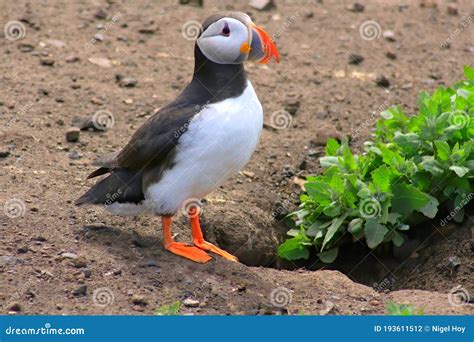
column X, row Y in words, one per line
column 79, row 262
column 151, row 263
column 262, row 5
column 97, row 101
column 453, row 262
column 127, row 82
column 72, row 59
column 139, row 300
column 16, row 307
column 68, row 255
column 100, row 61
column 39, row 238
column 59, row 99
column 355, row 59
column 391, row 55
column 452, row 9
column 47, row 61
column 323, row 133
column 292, row 105
column 74, row 155
column 248, row 174
column 407, row 86
column 23, row 47
column 23, row 249
column 4, row 154
column 80, row 291
column 100, row 14
column 382, row 81
column 72, row 134
column 191, row 303
column 389, row 35
column 42, row 91
column 356, row 7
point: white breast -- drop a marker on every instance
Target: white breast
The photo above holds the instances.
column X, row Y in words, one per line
column 218, row 143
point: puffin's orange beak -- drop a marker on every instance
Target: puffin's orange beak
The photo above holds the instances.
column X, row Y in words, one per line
column 261, row 47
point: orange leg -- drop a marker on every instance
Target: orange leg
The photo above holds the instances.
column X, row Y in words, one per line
column 181, row 249
column 199, row 241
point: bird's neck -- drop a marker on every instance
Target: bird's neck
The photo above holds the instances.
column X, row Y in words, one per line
column 213, row 82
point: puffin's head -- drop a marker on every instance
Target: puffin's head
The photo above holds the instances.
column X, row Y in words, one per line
column 232, row 38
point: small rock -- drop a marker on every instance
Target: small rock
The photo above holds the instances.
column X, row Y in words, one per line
column 262, row 5
column 292, row 105
column 389, row 35
column 391, row 55
column 469, row 49
column 453, row 262
column 87, row 273
column 79, row 262
column 382, row 81
column 313, row 153
column 406, row 86
column 23, row 47
column 100, row 14
column 151, row 263
column 39, row 238
column 356, row 7
column 83, row 123
column 147, row 30
column 72, row 59
column 355, row 58
column 4, row 153
column 97, row 101
column 374, row 302
column 68, row 255
column 102, row 62
column 47, row 61
column 72, row 134
column 80, row 291
column 452, row 9
column 74, row 155
column 323, row 133
column 23, row 249
column 56, row 43
column 139, row 300
column 329, row 307
column 303, row 165
column 59, row 99
column 191, row 303
column 248, row 174
column 16, row 307
column 127, row 82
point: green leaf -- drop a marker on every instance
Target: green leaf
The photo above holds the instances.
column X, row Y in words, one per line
column 294, row 248
column 382, row 178
column 328, row 256
column 374, row 233
column 442, row 150
column 169, row 310
column 332, row 147
column 431, row 208
column 460, row 171
column 407, row 198
column 355, row 225
column 334, row 209
column 397, row 239
column 469, row 72
column 333, row 228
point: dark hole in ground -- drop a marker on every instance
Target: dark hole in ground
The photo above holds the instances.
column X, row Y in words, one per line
column 436, row 256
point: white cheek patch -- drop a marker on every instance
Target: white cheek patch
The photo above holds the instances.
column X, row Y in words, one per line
column 220, row 49
column 224, row 49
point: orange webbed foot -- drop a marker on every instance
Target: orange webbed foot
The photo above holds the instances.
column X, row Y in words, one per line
column 207, row 246
column 188, row 252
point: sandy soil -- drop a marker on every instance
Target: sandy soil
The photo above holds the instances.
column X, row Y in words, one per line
column 57, row 259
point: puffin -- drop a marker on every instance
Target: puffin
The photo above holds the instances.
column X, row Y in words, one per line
column 194, row 144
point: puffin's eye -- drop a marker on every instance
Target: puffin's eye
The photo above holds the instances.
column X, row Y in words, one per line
column 226, row 30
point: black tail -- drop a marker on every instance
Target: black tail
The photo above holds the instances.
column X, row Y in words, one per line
column 120, row 186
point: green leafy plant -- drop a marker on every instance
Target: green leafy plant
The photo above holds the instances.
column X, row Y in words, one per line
column 395, row 309
column 169, row 310
column 412, row 166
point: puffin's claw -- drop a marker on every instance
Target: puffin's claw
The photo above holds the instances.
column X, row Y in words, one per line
column 188, row 252
column 207, row 246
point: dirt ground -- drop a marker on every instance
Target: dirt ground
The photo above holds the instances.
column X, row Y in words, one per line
column 58, row 259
